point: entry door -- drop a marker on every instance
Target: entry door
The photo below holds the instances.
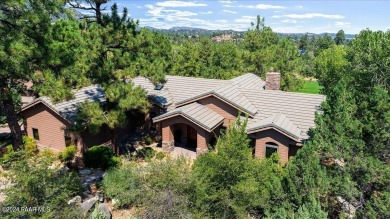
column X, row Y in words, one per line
column 191, row 136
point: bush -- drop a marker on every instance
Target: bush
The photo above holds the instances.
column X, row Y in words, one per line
column 148, row 140
column 146, row 153
column 138, row 185
column 99, row 157
column 123, row 184
column 160, row 155
column 170, row 174
column 46, row 152
column 37, row 183
column 68, row 154
column 30, row 146
column 115, row 161
column 8, row 156
column 166, row 204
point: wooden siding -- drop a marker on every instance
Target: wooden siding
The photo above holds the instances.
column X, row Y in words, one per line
column 51, row 127
column 228, row 112
column 202, row 139
column 273, row 136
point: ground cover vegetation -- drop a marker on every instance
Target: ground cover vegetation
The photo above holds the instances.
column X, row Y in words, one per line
column 342, row 171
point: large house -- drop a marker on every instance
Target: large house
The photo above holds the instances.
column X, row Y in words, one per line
column 192, row 112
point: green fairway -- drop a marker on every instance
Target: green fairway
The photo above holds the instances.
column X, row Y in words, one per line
column 310, row 87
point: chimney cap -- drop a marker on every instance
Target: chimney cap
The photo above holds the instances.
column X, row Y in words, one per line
column 272, row 71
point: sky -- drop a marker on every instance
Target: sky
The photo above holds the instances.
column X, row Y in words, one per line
column 282, row 16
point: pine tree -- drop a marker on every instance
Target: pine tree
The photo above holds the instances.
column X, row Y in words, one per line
column 340, row 37
column 24, row 26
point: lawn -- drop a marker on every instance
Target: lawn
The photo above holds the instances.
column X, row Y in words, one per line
column 310, row 87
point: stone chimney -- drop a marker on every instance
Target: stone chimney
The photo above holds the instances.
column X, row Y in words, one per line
column 272, row 80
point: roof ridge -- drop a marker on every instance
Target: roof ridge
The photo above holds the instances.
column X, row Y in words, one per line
column 179, row 76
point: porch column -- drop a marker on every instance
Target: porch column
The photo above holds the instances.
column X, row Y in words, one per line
column 167, row 137
column 202, row 140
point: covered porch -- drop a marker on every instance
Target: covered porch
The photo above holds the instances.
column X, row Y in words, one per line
column 189, row 129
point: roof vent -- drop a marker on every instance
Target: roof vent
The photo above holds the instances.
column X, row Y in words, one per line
column 159, row 87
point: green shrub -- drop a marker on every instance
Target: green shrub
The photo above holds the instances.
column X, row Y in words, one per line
column 166, row 204
column 170, row 174
column 99, row 157
column 146, row 153
column 123, row 184
column 148, row 140
column 68, row 153
column 160, row 155
column 46, row 152
column 36, row 183
column 115, row 161
column 133, row 184
column 30, row 146
column 8, row 156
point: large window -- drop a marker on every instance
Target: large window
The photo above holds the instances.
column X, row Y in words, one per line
column 35, row 133
column 270, row 148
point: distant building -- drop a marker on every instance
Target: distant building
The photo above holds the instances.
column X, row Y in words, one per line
column 222, row 38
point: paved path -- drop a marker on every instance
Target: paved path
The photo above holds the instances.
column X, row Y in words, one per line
column 4, row 129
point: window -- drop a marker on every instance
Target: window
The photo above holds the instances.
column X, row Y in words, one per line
column 270, row 148
column 35, row 133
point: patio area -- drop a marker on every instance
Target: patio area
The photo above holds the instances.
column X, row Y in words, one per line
column 184, row 151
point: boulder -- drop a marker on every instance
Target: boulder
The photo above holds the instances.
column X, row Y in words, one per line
column 339, row 162
column 84, row 172
column 64, row 170
column 75, row 200
column 348, row 209
column 88, row 204
column 101, row 212
column 115, row 203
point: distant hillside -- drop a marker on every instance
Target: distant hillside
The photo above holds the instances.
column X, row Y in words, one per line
column 190, row 31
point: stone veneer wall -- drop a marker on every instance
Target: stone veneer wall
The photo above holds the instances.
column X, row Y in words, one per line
column 272, row 81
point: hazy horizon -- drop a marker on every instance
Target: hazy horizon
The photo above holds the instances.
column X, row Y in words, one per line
column 282, row 16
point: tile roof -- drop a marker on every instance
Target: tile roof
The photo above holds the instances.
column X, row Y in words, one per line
column 248, row 94
column 162, row 97
column 197, row 113
column 230, row 92
column 278, row 121
column 68, row 109
column 298, row 107
column 182, row 88
column 248, row 81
